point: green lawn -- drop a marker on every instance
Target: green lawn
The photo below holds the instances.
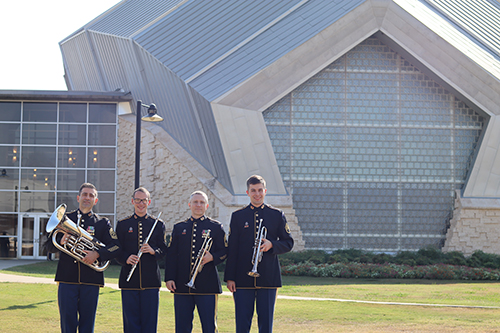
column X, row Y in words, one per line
column 39, row 303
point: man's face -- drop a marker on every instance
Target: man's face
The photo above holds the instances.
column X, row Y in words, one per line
column 141, row 203
column 86, row 199
column 257, row 193
column 198, row 206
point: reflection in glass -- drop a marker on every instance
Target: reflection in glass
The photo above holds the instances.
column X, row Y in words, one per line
column 40, row 112
column 9, row 179
column 102, row 113
column 42, row 236
column 8, row 224
column 38, row 202
column 10, row 111
column 27, row 246
column 68, row 198
column 38, row 157
column 38, row 179
column 70, row 180
column 70, row 134
column 9, row 156
column 71, row 157
column 10, row 133
column 39, row 134
column 8, row 201
column 102, row 135
column 72, row 112
column 101, row 157
column 106, row 203
column 104, row 178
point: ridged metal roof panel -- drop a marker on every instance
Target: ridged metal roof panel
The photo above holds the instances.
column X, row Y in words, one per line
column 199, row 32
column 284, row 35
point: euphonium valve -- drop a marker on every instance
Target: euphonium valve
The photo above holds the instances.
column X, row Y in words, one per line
column 79, row 240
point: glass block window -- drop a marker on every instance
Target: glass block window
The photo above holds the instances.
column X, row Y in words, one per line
column 372, row 151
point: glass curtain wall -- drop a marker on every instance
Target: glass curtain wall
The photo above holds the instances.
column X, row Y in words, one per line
column 47, row 150
column 372, row 151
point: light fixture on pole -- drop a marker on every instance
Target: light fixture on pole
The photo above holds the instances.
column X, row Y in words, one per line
column 151, row 116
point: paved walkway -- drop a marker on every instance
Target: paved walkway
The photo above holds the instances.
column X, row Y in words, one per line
column 30, row 279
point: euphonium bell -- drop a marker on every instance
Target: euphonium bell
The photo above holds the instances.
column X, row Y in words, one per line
column 79, row 240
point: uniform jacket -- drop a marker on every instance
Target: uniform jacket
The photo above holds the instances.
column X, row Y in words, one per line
column 132, row 233
column 242, row 233
column 70, row 270
column 185, row 244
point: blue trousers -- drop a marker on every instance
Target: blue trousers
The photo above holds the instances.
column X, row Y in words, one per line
column 77, row 307
column 244, row 304
column 140, row 310
column 184, row 312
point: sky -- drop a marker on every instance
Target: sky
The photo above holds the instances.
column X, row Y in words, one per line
column 30, row 57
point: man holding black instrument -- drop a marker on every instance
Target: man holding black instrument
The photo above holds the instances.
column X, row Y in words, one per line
column 196, row 247
column 257, row 234
column 78, row 284
column 141, row 288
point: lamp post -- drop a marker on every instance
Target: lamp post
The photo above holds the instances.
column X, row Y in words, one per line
column 151, row 116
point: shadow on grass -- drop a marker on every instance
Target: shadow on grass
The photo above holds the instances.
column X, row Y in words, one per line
column 27, row 306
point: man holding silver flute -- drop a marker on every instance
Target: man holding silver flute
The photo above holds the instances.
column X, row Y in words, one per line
column 257, row 234
column 142, row 240
column 196, row 247
column 78, row 281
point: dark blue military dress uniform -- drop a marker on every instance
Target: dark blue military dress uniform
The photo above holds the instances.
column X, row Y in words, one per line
column 78, row 290
column 244, row 227
column 185, row 244
column 140, row 295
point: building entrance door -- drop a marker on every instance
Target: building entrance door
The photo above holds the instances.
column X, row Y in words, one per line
column 32, row 235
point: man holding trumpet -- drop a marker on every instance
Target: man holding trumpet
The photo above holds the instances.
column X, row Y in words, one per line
column 142, row 240
column 257, row 234
column 196, row 247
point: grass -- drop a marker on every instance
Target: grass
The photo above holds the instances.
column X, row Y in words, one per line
column 39, row 303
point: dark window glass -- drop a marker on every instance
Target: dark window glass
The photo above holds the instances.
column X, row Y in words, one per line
column 72, row 113
column 106, row 203
column 102, row 135
column 105, row 179
column 71, row 157
column 69, row 199
column 44, row 112
column 102, row 113
column 101, row 157
column 39, row 134
column 10, row 111
column 70, row 180
column 8, row 224
column 41, row 202
column 72, row 134
column 9, row 179
column 8, row 201
column 38, row 157
column 9, row 156
column 38, row 179
column 9, row 133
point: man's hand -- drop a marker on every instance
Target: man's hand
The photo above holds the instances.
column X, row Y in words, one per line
column 170, row 285
column 90, row 257
column 145, row 248
column 132, row 259
column 266, row 245
column 231, row 285
column 207, row 258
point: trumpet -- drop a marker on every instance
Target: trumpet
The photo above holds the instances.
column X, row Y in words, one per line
column 198, row 266
column 79, row 240
column 140, row 252
column 257, row 253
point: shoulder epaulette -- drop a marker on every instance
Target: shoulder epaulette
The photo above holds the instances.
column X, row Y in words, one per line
column 126, row 218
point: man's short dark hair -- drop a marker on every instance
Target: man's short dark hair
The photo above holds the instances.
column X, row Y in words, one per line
column 87, row 185
column 255, row 179
column 143, row 190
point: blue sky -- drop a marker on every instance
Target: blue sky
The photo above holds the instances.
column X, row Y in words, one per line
column 31, row 32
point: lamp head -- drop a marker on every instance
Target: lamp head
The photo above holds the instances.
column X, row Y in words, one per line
column 152, row 114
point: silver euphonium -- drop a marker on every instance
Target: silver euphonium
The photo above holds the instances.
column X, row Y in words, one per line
column 79, row 240
column 198, row 266
column 257, row 253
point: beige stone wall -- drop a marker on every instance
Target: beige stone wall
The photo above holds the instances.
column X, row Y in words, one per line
column 171, row 175
column 475, row 226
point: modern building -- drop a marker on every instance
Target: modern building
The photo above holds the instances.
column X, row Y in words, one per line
column 375, row 122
